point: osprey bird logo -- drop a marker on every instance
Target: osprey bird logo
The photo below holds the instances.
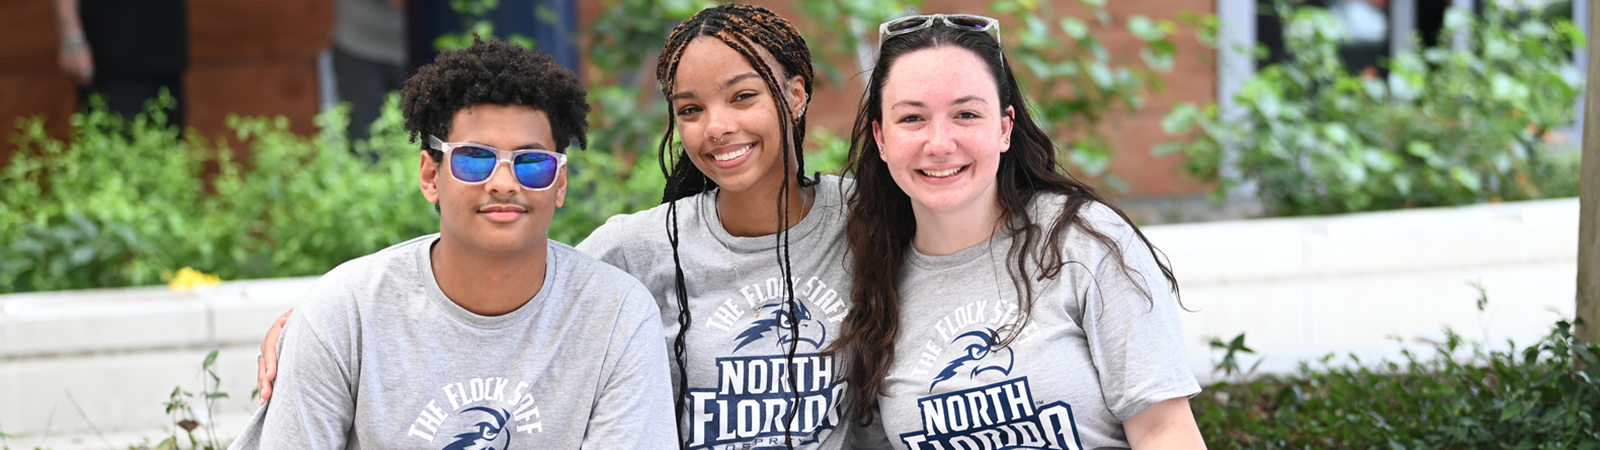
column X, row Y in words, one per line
column 777, row 320
column 484, row 437
column 977, row 359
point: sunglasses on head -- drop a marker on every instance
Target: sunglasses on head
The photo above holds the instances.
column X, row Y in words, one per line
column 969, row 22
column 474, row 163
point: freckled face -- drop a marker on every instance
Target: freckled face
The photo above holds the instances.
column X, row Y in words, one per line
column 499, row 215
column 727, row 117
column 943, row 130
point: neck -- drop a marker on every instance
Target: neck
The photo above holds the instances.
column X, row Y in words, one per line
column 945, row 232
column 754, row 212
column 488, row 283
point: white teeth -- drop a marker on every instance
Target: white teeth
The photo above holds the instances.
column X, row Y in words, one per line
column 733, row 154
column 943, row 173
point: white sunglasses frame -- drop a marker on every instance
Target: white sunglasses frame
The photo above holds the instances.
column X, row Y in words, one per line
column 501, row 156
column 990, row 23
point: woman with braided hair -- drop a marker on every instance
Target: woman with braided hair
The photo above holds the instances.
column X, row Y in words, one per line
column 745, row 317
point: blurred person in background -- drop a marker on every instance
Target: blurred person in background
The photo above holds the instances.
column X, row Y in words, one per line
column 369, row 57
column 127, row 51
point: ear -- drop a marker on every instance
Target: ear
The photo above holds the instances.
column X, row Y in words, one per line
column 428, row 175
column 561, row 187
column 795, row 93
column 877, row 136
column 1007, row 123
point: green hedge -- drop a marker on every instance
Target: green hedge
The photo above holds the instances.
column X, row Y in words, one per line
column 1543, row 396
column 1448, row 125
column 126, row 202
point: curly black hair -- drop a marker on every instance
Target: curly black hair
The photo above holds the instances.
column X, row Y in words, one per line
column 495, row 73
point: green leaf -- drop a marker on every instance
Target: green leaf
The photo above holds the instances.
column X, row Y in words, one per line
column 1158, row 60
column 1145, row 29
column 1100, row 74
column 1075, row 29
column 1336, row 133
column 1238, row 345
column 1166, row 148
column 1374, row 88
column 1181, row 119
column 82, row 255
column 523, row 41
column 210, row 359
column 1457, row 18
column 1005, row 7
column 1466, row 179
column 1379, row 160
column 1402, row 184
column 1420, row 149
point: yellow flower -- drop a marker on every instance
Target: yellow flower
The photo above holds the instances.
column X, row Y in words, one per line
column 189, row 279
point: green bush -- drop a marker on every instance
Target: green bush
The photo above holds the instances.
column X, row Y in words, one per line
column 1449, row 126
column 1544, row 396
column 126, row 202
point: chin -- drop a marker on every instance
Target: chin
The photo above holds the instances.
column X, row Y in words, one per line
column 497, row 242
column 948, row 202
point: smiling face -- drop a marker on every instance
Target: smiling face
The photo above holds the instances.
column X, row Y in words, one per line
column 943, row 130
column 499, row 215
column 728, row 118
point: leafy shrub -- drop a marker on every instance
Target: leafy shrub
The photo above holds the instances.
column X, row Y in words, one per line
column 1076, row 85
column 127, row 202
column 1448, row 126
column 1541, row 396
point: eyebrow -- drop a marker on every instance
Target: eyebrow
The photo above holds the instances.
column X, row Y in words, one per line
column 918, row 104
column 726, row 84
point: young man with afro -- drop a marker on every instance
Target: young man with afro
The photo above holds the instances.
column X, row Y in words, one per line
column 487, row 334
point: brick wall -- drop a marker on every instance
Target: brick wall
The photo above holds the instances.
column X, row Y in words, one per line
column 248, row 57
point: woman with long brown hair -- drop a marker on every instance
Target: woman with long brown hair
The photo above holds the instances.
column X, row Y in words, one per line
column 998, row 302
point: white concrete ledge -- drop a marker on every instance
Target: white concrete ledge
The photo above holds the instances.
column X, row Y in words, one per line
column 1299, row 288
column 1303, row 287
column 118, row 354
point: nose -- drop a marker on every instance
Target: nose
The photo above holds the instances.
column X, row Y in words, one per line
column 503, row 180
column 719, row 124
column 941, row 139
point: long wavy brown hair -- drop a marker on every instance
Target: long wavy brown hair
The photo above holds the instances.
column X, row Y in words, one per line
column 881, row 222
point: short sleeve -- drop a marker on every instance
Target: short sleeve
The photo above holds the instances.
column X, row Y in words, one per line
column 1130, row 319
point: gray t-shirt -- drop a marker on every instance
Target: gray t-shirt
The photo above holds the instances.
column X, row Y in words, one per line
column 377, row 357
column 1095, row 353
column 737, row 346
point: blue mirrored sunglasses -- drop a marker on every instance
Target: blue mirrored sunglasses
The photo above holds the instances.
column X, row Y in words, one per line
column 474, row 163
